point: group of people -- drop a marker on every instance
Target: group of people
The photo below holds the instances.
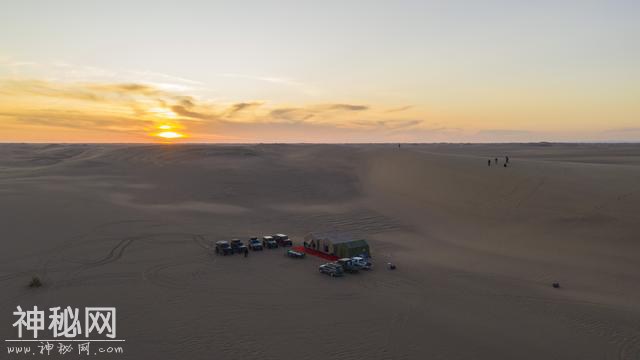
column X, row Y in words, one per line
column 506, row 161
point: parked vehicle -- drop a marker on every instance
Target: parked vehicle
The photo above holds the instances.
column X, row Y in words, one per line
column 331, row 269
column 223, row 247
column 361, row 263
column 269, row 242
column 295, row 254
column 283, row 240
column 348, row 265
column 237, row 246
column 255, row 244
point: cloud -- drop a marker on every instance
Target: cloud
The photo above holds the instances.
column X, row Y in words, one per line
column 238, row 107
column 153, row 75
column 398, row 109
column 140, row 96
column 275, row 80
column 99, row 92
column 348, row 107
column 17, row 63
column 388, row 124
column 504, row 132
column 138, row 108
column 80, row 121
column 127, row 88
column 400, row 124
column 186, row 101
column 193, row 115
column 290, row 115
column 270, row 79
column 46, row 89
column 319, row 113
column 57, row 71
column 96, row 107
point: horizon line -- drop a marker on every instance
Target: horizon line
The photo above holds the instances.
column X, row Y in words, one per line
column 322, row 143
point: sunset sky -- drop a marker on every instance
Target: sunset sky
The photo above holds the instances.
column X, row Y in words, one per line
column 319, row 71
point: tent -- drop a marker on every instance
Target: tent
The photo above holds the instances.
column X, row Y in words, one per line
column 337, row 244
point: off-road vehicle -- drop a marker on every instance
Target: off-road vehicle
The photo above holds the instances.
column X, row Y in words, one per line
column 331, row 269
column 223, row 247
column 269, row 242
column 255, row 244
column 361, row 263
column 283, row 240
column 348, row 265
column 238, row 247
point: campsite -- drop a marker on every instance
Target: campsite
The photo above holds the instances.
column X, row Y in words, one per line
column 348, row 254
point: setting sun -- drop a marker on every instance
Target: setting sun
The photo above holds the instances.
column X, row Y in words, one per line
column 170, row 135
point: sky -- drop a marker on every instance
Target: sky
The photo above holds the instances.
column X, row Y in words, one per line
column 319, row 71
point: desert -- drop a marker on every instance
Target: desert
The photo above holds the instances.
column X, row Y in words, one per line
column 477, row 247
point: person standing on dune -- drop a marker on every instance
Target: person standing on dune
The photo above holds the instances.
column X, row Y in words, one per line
column 506, row 158
column 489, row 162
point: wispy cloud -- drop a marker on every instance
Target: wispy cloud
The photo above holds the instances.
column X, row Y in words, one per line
column 136, row 107
column 290, row 114
column 347, row 107
column 186, row 112
column 83, row 91
column 153, row 75
column 79, row 121
column 18, row 63
column 243, row 106
column 63, row 71
column 504, row 132
column 299, row 86
column 270, row 79
column 398, row 109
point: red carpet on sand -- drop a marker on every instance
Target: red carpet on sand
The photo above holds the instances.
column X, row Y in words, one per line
column 315, row 253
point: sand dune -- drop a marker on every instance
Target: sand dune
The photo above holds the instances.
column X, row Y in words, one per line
column 477, row 248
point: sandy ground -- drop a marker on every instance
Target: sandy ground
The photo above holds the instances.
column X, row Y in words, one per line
column 477, row 248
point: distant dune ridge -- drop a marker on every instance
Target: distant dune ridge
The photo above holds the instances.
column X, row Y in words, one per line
column 477, row 248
